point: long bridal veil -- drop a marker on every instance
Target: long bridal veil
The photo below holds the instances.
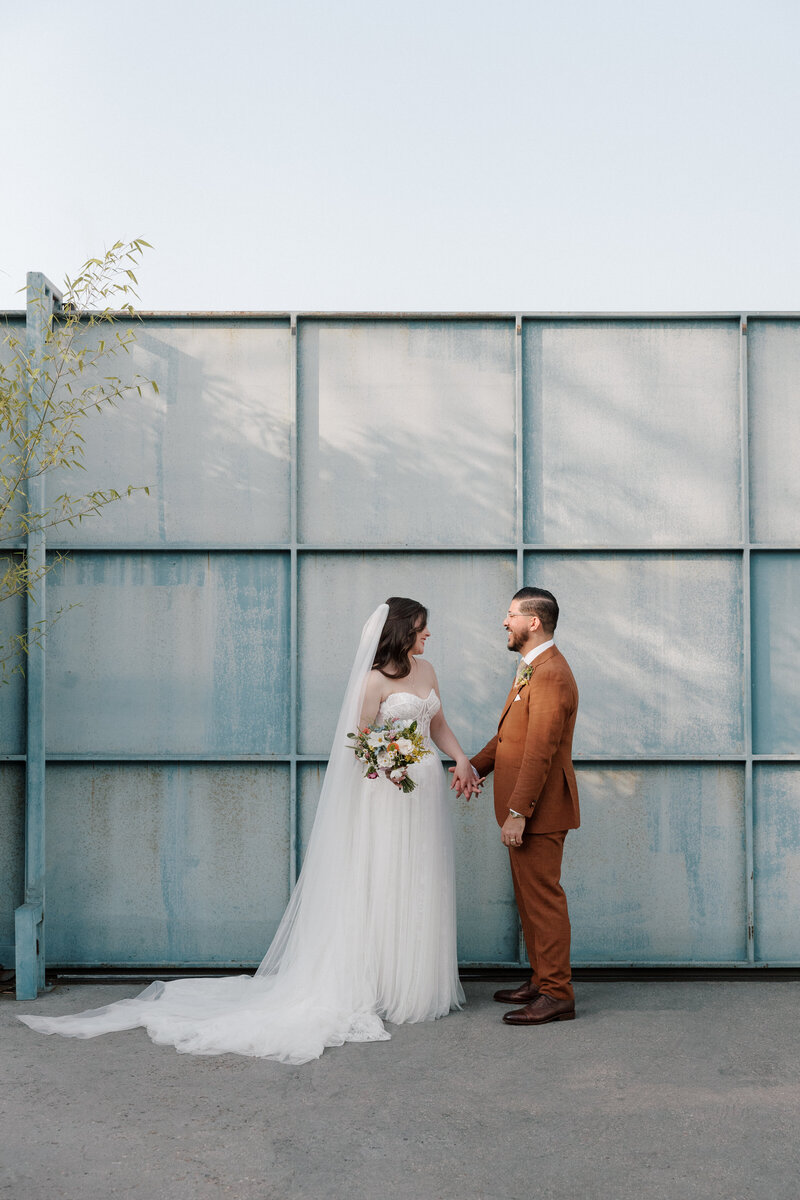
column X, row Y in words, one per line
column 316, row 986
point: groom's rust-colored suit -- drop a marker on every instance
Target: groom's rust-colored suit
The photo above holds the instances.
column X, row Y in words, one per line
column 531, row 756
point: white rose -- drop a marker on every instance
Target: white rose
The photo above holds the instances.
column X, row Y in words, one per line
column 405, row 746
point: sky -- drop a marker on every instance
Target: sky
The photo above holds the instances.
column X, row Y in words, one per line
column 423, row 155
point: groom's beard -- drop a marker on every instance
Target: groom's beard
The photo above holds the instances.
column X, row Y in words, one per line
column 515, row 643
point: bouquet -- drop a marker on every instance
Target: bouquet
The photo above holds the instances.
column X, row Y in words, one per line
column 389, row 750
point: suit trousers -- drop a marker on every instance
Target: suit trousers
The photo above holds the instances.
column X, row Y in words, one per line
column 542, row 905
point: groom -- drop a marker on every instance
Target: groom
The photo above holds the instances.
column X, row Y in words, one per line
column 536, row 802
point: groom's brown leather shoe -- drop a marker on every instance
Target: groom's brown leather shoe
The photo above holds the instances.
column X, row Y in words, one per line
column 545, row 1009
column 526, row 993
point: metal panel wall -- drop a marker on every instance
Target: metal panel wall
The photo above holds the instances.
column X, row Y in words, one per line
column 213, row 444
column 305, row 467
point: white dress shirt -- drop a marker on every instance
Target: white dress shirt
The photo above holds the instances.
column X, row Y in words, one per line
column 537, row 650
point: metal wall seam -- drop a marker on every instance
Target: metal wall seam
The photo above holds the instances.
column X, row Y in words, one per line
column 747, row 648
column 446, row 315
column 293, row 698
column 621, row 759
column 412, row 548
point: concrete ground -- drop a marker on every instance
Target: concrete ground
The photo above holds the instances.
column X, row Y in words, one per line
column 658, row 1090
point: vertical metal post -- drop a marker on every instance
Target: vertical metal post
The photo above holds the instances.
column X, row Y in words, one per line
column 42, row 299
column 294, row 840
column 747, row 649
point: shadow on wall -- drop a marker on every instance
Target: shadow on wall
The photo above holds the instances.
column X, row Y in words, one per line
column 406, row 437
column 212, row 445
column 656, row 644
column 632, row 433
column 406, row 434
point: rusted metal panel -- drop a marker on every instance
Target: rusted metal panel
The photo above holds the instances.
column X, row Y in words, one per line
column 776, row 789
column 632, row 432
column 161, row 863
column 656, row 873
column 212, row 444
column 12, row 854
column 170, row 654
column 774, row 388
column 776, row 653
column 406, row 432
column 12, row 685
column 655, row 642
column 448, row 458
column 488, row 926
column 12, row 332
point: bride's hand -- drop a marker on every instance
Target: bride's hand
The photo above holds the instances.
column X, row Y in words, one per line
column 465, row 780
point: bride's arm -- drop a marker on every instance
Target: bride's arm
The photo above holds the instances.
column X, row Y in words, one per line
column 445, row 739
column 449, row 744
column 372, row 699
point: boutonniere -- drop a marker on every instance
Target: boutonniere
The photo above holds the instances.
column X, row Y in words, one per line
column 523, row 675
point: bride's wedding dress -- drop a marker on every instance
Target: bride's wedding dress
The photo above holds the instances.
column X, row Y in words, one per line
column 369, row 933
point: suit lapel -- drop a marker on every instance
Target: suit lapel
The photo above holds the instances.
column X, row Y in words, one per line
column 511, row 695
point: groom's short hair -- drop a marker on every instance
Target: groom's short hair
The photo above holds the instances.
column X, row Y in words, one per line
column 537, row 602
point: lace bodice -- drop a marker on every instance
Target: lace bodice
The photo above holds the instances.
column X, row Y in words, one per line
column 412, row 707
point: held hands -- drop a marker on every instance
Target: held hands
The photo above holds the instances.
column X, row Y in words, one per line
column 465, row 779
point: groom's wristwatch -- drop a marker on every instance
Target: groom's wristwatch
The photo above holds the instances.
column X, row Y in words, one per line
column 512, row 813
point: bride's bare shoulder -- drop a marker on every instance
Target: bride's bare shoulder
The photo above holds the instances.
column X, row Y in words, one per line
column 426, row 672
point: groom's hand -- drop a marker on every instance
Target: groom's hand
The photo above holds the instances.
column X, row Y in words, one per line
column 512, row 831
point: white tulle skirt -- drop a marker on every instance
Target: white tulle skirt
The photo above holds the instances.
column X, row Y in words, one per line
column 366, row 939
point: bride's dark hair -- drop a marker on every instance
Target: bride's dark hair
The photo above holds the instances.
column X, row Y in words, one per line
column 403, row 623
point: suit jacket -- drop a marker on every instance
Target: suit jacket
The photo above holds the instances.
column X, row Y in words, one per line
column 531, row 753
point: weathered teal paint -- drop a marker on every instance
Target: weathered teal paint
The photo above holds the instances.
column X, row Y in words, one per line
column 305, row 467
column 632, row 432
column 12, row 858
column 386, row 410
column 181, row 863
column 773, row 387
column 659, row 658
column 777, row 862
column 202, row 666
column 776, row 652
column 213, row 443
column 656, row 874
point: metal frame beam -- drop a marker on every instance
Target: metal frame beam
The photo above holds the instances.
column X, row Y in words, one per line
column 43, row 300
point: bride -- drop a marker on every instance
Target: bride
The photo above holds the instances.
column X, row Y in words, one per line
column 370, row 930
